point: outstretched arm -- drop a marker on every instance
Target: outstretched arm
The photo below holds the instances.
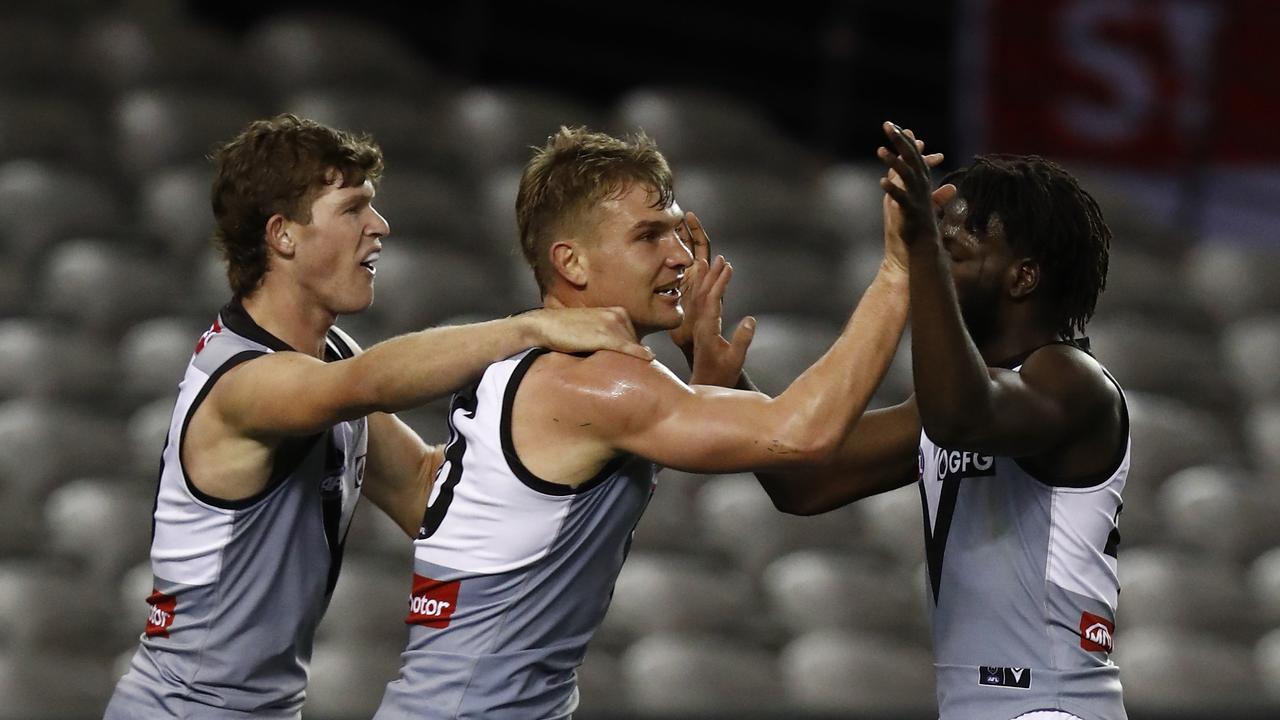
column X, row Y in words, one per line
column 289, row 393
column 627, row 406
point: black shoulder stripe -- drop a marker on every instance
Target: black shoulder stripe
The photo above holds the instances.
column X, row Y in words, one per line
column 518, row 468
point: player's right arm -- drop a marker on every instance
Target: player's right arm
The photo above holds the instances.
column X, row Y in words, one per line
column 878, row 456
column 630, row 407
column 229, row 444
column 289, row 393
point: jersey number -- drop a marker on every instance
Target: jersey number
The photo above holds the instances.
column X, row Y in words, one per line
column 464, row 400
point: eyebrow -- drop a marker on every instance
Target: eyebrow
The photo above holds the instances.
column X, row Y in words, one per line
column 356, row 202
column 657, row 224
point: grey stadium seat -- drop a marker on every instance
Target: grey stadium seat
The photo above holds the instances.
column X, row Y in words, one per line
column 175, row 208
column 348, row 679
column 102, row 286
column 670, row 593
column 689, row 675
column 369, row 604
column 418, row 287
column 1250, row 348
column 1264, row 587
column 1220, row 512
column 154, row 355
column 40, row 359
column 818, row 591
column 1234, row 279
column 695, row 126
column 738, row 518
column 413, row 130
column 295, row 52
column 36, row 210
column 132, row 50
column 500, row 124
column 158, row 129
column 846, row 674
column 1172, row 590
column 741, row 207
column 104, row 525
column 1186, row 671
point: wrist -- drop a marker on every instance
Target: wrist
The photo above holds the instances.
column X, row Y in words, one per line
column 893, row 272
column 530, row 329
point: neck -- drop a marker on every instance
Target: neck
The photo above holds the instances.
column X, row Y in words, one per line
column 558, row 299
column 1014, row 340
column 300, row 324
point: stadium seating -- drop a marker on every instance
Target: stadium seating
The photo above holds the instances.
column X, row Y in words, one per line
column 851, row 674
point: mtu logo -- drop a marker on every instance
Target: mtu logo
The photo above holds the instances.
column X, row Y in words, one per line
column 1096, row 633
column 160, row 617
column 432, row 602
column 958, row 464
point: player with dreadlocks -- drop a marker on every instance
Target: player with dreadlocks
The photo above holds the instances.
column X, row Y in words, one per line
column 1017, row 437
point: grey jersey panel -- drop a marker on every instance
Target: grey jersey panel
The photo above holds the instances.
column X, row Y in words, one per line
column 241, row 586
column 514, row 580
column 1024, row 584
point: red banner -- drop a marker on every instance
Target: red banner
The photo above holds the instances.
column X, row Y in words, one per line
column 1146, row 83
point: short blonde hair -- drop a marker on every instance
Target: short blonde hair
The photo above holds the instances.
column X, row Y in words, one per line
column 575, row 171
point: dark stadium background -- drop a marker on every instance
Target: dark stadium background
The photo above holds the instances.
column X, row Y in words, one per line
column 1166, row 108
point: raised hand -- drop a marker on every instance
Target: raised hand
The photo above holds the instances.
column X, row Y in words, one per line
column 699, row 244
column 712, row 359
column 910, row 199
column 571, row 330
column 717, row 361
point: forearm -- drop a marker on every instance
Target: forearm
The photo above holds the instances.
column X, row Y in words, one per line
column 878, row 456
column 413, row 369
column 951, row 379
column 822, row 404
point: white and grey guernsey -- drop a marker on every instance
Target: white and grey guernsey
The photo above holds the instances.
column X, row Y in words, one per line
column 241, row 585
column 1022, row 569
column 512, row 574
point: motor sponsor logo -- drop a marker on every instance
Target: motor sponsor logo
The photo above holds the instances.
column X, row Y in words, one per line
column 432, row 602
column 160, row 616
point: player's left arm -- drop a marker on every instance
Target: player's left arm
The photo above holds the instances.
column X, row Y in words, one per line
column 1061, row 395
column 1060, row 392
column 399, row 470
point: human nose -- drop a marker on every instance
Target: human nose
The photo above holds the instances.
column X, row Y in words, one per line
column 379, row 227
column 679, row 255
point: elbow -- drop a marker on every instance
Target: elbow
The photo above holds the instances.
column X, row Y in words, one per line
column 951, row 431
column 787, row 500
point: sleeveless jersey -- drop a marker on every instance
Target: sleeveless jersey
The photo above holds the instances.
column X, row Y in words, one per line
column 512, row 574
column 1022, row 570
column 240, row 586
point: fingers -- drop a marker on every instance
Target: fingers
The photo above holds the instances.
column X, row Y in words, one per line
column 719, row 279
column 895, row 163
column 699, row 242
column 898, row 194
column 741, row 340
column 933, row 160
column 636, row 350
column 620, row 334
column 944, row 195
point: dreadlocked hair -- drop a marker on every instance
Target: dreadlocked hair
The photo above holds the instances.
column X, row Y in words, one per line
column 1048, row 217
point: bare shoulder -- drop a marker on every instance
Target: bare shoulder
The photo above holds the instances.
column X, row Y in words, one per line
column 602, row 385
column 1073, row 375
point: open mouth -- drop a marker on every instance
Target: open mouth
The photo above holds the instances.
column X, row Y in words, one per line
column 369, row 261
column 671, row 291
